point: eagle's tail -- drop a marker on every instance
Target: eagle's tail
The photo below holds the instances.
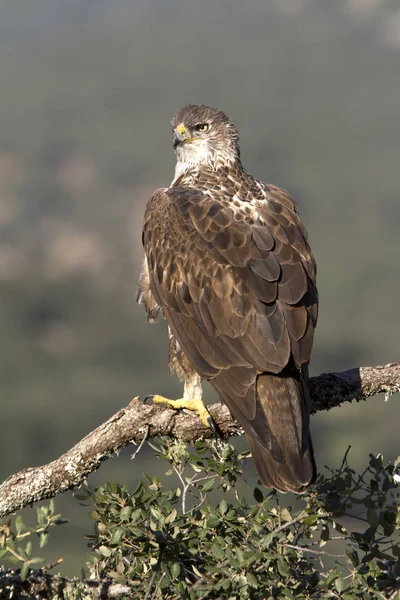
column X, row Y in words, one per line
column 284, row 459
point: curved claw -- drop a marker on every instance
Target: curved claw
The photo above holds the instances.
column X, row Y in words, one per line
column 212, row 425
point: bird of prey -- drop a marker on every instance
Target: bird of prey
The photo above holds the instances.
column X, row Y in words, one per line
column 228, row 265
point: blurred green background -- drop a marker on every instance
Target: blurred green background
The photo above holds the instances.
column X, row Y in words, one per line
column 87, row 93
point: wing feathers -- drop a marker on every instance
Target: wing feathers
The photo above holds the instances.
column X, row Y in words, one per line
column 295, row 287
column 237, row 287
column 268, row 268
column 233, row 278
column 262, row 238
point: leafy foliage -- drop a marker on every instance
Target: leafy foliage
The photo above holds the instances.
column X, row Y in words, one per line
column 186, row 541
column 13, row 535
column 341, row 539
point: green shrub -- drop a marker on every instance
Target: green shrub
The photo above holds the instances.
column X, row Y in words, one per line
column 341, row 539
column 199, row 538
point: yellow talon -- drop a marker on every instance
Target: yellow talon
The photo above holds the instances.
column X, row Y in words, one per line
column 193, row 404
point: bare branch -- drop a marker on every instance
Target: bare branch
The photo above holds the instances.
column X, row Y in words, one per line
column 332, row 389
column 139, row 420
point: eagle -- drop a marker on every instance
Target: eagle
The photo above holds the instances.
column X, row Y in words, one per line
column 228, row 265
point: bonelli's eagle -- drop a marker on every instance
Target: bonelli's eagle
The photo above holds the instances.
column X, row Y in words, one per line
column 228, row 264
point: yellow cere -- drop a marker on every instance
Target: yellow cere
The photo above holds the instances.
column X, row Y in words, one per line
column 181, row 129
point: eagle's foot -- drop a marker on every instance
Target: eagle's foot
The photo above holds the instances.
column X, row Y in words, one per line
column 196, row 405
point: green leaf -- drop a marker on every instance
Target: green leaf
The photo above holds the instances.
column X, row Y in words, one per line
column 340, row 528
column 212, row 522
column 135, row 515
column 208, row 485
column 196, row 571
column 283, row 567
column 285, row 515
column 171, row 517
column 19, row 525
column 353, row 556
column 181, row 588
column 232, row 560
column 24, row 571
column 258, row 495
column 10, row 543
column 124, row 513
column 223, row 506
column 80, row 497
column 331, row 577
column 340, row 584
column 116, row 537
column 175, row 570
column 43, row 539
column 94, row 515
column 252, row 580
column 267, row 539
column 310, row 520
column 104, row 551
column 217, row 551
column 324, row 534
column 28, row 549
column 113, row 574
column 57, row 520
column 41, row 515
column 120, row 567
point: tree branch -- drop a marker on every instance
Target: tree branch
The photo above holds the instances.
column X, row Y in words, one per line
column 44, row 586
column 139, row 420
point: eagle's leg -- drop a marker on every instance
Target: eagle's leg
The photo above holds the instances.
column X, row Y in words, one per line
column 193, row 389
column 192, row 400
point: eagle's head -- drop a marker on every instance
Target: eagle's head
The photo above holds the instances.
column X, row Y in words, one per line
column 204, row 135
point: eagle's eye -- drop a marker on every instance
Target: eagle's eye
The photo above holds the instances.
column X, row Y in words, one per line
column 202, row 127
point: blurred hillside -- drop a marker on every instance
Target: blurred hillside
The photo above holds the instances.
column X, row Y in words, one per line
column 87, row 93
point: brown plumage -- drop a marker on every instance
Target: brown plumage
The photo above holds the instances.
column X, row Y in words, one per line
column 228, row 263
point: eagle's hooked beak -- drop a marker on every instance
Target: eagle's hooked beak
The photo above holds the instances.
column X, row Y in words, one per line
column 179, row 136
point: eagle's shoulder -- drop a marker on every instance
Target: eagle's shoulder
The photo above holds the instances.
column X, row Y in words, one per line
column 155, row 204
column 272, row 193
